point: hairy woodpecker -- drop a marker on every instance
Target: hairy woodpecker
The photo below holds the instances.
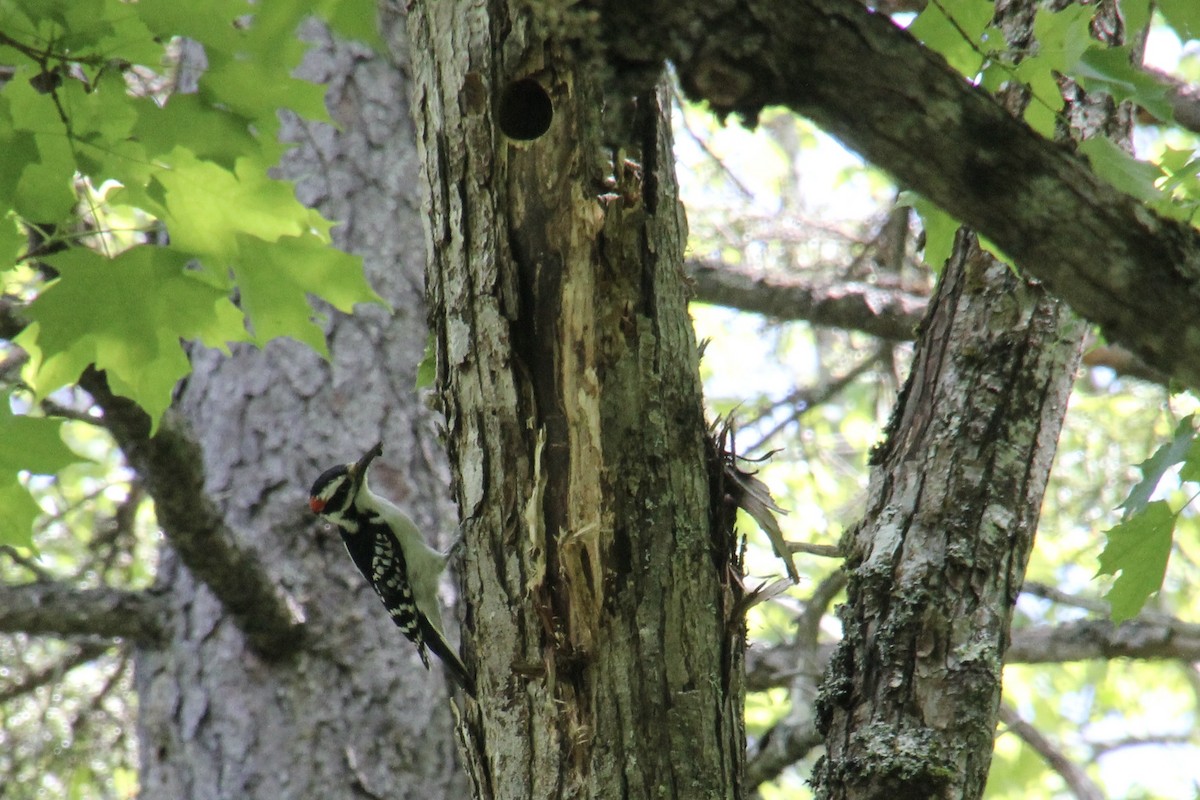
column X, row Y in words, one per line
column 391, row 554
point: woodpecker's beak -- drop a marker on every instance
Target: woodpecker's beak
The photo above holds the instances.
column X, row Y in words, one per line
column 358, row 470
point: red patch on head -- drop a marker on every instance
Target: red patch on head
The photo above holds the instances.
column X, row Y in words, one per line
column 316, row 504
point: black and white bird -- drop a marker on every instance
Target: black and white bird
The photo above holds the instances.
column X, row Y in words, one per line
column 392, row 555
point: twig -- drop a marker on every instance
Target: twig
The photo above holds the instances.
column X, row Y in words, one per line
column 83, row 654
column 1075, row 777
column 812, row 549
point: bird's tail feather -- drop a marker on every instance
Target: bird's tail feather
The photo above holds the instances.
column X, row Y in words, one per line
column 437, row 643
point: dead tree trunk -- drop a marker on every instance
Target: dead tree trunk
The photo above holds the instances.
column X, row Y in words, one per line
column 599, row 574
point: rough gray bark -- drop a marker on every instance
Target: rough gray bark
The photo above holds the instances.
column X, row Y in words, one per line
column 909, row 704
column 911, row 696
column 599, row 576
column 352, row 713
column 868, row 82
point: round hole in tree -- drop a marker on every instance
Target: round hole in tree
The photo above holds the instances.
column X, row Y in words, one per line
column 525, row 110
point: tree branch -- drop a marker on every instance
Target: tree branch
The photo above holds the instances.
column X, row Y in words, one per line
column 1143, row 637
column 887, row 313
column 890, row 314
column 87, row 652
column 783, row 745
column 872, row 85
column 169, row 464
column 1148, row 638
column 1075, row 777
column 62, row 610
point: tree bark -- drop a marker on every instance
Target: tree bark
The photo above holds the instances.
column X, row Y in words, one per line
column 352, row 714
column 910, row 700
column 868, row 82
column 600, row 576
column 909, row 703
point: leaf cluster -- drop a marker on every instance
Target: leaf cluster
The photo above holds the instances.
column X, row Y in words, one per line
column 138, row 207
column 1063, row 51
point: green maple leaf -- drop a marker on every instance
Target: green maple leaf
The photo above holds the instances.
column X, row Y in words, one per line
column 207, row 207
column 1137, row 553
column 27, row 444
column 940, row 229
column 20, row 511
column 127, row 315
column 958, row 37
column 1154, row 467
column 276, row 278
column 1111, row 70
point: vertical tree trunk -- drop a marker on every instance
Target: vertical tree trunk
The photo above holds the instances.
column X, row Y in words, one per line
column 354, row 714
column 599, row 575
column 910, row 699
column 909, row 703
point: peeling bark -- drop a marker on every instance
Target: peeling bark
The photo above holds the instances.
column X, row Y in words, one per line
column 599, row 575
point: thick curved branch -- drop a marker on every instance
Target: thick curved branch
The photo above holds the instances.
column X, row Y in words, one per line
column 169, row 464
column 62, row 610
column 872, row 85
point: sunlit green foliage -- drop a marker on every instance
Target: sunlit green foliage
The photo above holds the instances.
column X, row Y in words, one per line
column 137, row 141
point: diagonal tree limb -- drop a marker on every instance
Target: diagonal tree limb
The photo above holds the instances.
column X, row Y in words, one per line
column 64, row 610
column 866, row 81
column 1076, row 778
column 170, row 466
